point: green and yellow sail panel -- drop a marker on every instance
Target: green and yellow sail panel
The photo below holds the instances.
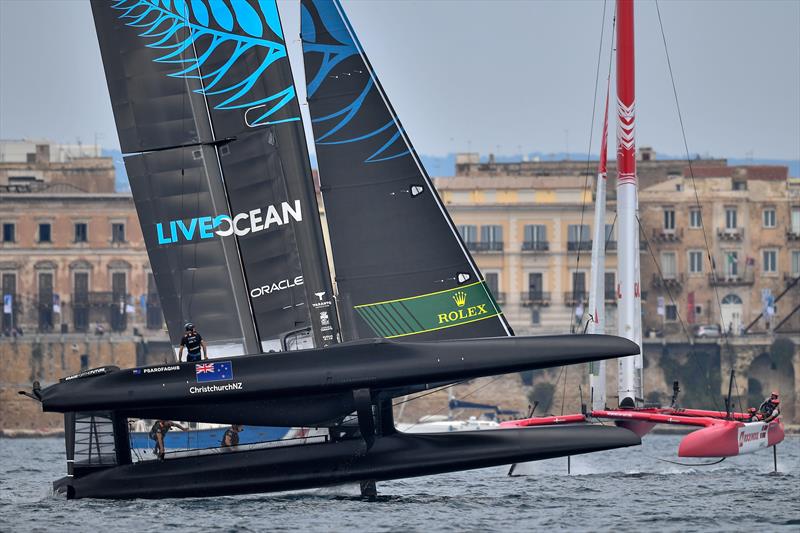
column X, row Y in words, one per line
column 430, row 312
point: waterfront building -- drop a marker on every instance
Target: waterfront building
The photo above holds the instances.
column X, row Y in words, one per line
column 72, row 256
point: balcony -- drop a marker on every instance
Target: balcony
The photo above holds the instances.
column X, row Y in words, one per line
column 610, row 297
column 611, row 246
column 535, row 246
column 100, row 307
column 725, row 279
column 499, row 297
column 793, row 234
column 484, row 247
column 730, row 234
column 672, row 282
column 574, row 298
column 530, row 298
column 667, row 235
column 574, row 246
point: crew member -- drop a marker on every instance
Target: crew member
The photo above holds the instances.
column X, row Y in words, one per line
column 770, row 409
column 231, row 437
column 193, row 343
column 159, row 431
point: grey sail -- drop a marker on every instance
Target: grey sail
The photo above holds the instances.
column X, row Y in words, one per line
column 209, row 123
column 402, row 270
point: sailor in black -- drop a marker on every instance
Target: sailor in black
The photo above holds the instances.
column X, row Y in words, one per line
column 159, row 432
column 193, row 343
column 231, row 437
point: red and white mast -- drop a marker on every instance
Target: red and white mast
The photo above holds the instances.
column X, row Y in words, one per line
column 629, row 303
column 597, row 283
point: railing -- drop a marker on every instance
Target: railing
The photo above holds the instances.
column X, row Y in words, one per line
column 574, row 246
column 793, row 234
column 668, row 235
column 574, row 298
column 529, row 298
column 535, row 246
column 668, row 281
column 730, row 234
column 726, row 279
column 155, row 317
column 611, row 246
column 492, row 246
column 610, row 296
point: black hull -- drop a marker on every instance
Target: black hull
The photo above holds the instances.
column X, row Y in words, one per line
column 311, row 387
column 300, row 467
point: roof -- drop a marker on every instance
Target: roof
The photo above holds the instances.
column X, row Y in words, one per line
column 749, row 172
column 512, row 182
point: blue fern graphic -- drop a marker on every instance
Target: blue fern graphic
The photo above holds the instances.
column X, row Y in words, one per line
column 332, row 55
column 176, row 26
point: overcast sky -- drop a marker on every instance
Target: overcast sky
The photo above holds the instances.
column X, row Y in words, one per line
column 490, row 76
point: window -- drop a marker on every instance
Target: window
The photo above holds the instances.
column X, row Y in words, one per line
column 81, row 232
column 493, row 282
column 536, row 317
column 695, row 262
column 769, row 261
column 579, row 285
column 796, row 220
column 578, row 237
column 768, row 217
column 669, row 267
column 610, row 286
column 119, row 300
column 118, row 232
column 609, row 235
column 730, row 218
column 795, row 262
column 739, row 185
column 44, row 232
column 535, row 237
column 731, row 264
column 671, row 312
column 535, row 285
column 669, row 219
column 44, row 301
column 8, row 284
column 468, row 233
column 695, row 218
column 80, row 301
column 9, row 232
column 492, row 237
column 84, row 362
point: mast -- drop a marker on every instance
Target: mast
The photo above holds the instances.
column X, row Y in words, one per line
column 597, row 287
column 628, row 288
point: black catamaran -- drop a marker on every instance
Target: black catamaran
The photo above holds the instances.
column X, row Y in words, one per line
column 208, row 118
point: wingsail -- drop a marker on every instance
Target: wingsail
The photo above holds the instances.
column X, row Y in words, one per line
column 208, row 118
column 402, row 270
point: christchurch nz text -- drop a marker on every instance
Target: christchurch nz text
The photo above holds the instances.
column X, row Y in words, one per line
column 223, row 225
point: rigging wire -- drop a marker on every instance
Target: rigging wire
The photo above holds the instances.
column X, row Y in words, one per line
column 591, row 138
column 694, row 186
column 643, row 234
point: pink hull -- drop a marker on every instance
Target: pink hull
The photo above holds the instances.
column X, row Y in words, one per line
column 728, row 438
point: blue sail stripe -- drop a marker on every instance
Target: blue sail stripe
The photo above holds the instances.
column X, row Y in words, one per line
column 162, row 21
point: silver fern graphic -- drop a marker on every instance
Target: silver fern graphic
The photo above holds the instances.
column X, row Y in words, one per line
column 206, row 39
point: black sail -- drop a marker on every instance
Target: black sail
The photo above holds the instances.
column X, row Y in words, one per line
column 208, row 118
column 402, row 270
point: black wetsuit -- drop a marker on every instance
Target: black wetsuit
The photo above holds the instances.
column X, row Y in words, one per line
column 233, row 435
column 193, row 343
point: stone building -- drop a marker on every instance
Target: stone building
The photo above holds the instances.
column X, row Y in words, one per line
column 72, row 256
column 749, row 217
column 531, row 238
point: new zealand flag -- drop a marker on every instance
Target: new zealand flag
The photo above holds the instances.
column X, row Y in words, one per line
column 218, row 371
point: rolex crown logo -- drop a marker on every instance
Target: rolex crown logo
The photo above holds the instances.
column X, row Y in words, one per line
column 460, row 298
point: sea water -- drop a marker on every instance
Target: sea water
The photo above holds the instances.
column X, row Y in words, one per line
column 629, row 490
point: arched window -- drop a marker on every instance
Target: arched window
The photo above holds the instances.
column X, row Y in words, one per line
column 732, row 299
